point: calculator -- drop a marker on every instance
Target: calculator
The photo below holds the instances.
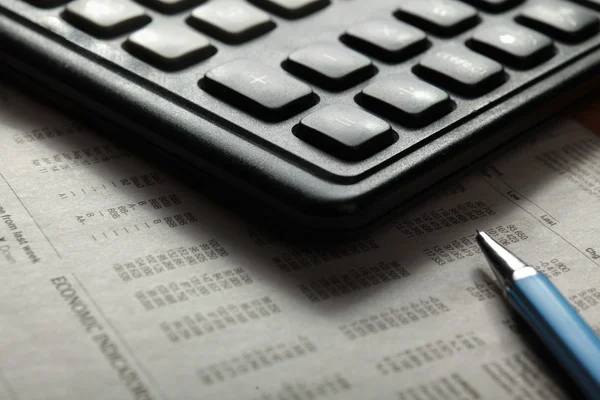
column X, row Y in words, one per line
column 331, row 112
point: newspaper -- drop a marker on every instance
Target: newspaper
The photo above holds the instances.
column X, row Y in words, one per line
column 120, row 282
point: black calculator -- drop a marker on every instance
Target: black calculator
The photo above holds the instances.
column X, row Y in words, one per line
column 332, row 112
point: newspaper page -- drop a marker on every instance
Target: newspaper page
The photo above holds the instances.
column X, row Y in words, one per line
column 119, row 282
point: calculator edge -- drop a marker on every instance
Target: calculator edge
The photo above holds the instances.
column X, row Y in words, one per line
column 306, row 198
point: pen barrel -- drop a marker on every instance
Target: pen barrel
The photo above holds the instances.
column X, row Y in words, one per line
column 562, row 330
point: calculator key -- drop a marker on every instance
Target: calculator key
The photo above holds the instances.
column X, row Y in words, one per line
column 265, row 92
column 346, row 132
column 512, row 45
column 105, row 18
column 460, row 70
column 169, row 46
column 559, row 19
column 232, row 21
column 440, row 17
column 406, row 99
column 330, row 65
column 386, row 39
column 494, row 5
column 292, row 8
column 170, row 6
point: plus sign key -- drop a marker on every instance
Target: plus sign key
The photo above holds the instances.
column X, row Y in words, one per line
column 265, row 92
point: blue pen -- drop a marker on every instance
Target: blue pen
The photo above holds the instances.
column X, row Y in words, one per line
column 563, row 331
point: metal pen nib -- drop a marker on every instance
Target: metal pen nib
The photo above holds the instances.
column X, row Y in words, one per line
column 503, row 262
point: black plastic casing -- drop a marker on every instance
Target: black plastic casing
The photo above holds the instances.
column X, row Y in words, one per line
column 83, row 80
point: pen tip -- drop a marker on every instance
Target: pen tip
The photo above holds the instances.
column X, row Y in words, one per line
column 477, row 230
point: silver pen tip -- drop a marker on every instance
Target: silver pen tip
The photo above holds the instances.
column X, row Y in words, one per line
column 503, row 262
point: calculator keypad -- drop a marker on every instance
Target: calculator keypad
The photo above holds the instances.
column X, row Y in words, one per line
column 261, row 68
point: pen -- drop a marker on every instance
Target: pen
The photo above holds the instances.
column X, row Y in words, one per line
column 536, row 299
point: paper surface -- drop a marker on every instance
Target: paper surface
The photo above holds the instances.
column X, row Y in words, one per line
column 119, row 282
